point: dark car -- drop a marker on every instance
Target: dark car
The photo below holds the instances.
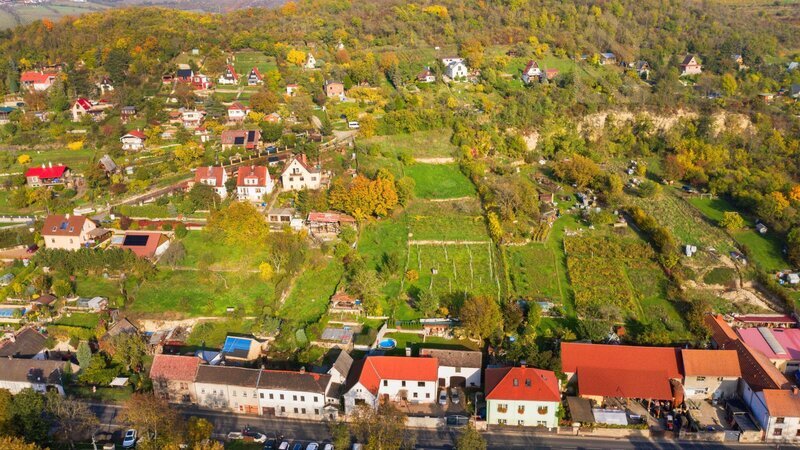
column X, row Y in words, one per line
column 32, row 248
column 297, row 446
column 271, row 444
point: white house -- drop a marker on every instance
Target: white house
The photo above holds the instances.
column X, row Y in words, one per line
column 457, row 368
column 392, row 379
column 710, row 373
column 299, row 175
column 253, row 183
column 778, row 413
column 531, row 72
column 37, row 81
column 192, row 118
column 237, row 112
column 213, row 176
column 311, row 62
column 455, row 68
column 690, row 66
column 41, row 376
column 522, row 396
column 133, row 140
column 229, row 77
column 301, row 395
column 227, row 388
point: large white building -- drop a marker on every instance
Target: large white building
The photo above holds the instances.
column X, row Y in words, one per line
column 457, row 368
column 253, row 183
column 227, row 388
column 392, row 379
column 522, row 396
column 299, row 174
column 214, row 176
column 455, row 68
column 301, row 395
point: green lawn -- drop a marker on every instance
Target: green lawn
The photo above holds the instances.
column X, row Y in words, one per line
column 420, row 144
column 417, row 341
column 533, row 272
column 96, row 286
column 82, row 320
column 195, row 293
column 200, row 250
column 311, row 293
column 246, row 60
column 440, row 181
column 212, row 333
column 766, row 250
column 460, row 220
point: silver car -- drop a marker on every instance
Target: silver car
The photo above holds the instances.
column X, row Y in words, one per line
column 443, row 397
column 454, row 397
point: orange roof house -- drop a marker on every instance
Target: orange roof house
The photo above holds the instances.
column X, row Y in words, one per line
column 391, row 378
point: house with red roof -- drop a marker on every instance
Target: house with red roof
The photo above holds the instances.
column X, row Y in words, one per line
column 531, row 72
column 253, row 183
column 133, row 140
column 37, row 80
column 229, row 77
column 622, row 371
column 778, row 413
column 254, row 78
column 376, row 379
column 145, row 244
column 237, row 112
column 244, row 139
column 94, row 109
column 214, row 176
column 201, row 82
column 327, row 225
column 173, row 377
column 710, row 374
column 299, row 174
column 48, row 175
column 522, row 396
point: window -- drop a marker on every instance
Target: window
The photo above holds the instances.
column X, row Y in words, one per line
column 458, row 369
column 777, row 432
column 234, row 394
column 244, row 394
column 283, row 409
column 521, row 409
column 294, row 398
column 271, row 396
column 416, row 395
column 427, row 395
column 302, row 398
column 261, row 395
column 521, row 423
column 316, row 411
column 403, row 383
column 798, row 433
column 420, row 384
column 303, row 410
column 719, row 378
column 542, row 410
column 701, row 378
column 779, row 420
column 385, row 383
column 295, row 410
column 502, row 422
column 541, row 423
column 281, row 397
column 315, row 399
column 527, row 382
column 202, row 391
column 502, row 407
column 516, row 382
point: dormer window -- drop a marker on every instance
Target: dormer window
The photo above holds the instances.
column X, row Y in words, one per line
column 516, row 382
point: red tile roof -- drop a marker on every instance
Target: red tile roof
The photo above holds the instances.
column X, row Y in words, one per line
column 613, row 357
column 84, row 103
column 782, row 402
column 522, row 384
column 255, row 72
column 330, row 217
column 232, row 72
column 174, row 367
column 62, row 225
column 377, row 368
column 259, row 172
column 237, row 106
column 625, row 383
column 531, row 64
column 711, row 363
column 148, row 248
column 136, row 133
column 721, row 332
column 46, row 172
column 32, row 76
column 206, row 172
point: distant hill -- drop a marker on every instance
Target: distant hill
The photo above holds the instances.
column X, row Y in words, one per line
column 196, row 5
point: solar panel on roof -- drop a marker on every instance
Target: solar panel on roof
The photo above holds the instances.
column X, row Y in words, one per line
column 238, row 140
column 135, row 240
column 250, row 135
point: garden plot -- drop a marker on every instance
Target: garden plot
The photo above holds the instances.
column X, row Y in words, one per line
column 614, row 270
column 459, row 220
column 453, row 269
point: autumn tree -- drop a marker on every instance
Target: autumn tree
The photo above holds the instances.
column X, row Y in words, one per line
column 264, row 101
column 198, row 430
column 296, row 57
column 152, row 417
column 731, row 221
column 363, row 198
column 578, row 169
column 470, row 439
column 15, row 443
column 381, row 429
column 239, row 224
column 481, row 317
column 72, row 417
column 129, row 350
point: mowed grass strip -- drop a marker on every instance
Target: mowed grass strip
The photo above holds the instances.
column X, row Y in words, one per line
column 440, row 181
column 420, row 144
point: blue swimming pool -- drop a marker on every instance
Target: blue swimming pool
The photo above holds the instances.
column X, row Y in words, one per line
column 387, row 344
column 9, row 312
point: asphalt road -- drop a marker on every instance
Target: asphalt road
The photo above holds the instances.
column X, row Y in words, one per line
column 430, row 439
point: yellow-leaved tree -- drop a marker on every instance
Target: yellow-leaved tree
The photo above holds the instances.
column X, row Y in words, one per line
column 296, row 57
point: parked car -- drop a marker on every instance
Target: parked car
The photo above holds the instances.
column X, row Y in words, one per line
column 328, row 447
column 32, row 248
column 312, row 446
column 284, row 445
column 253, row 435
column 271, row 444
column 297, row 446
column 454, row 397
column 443, row 397
column 129, row 441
